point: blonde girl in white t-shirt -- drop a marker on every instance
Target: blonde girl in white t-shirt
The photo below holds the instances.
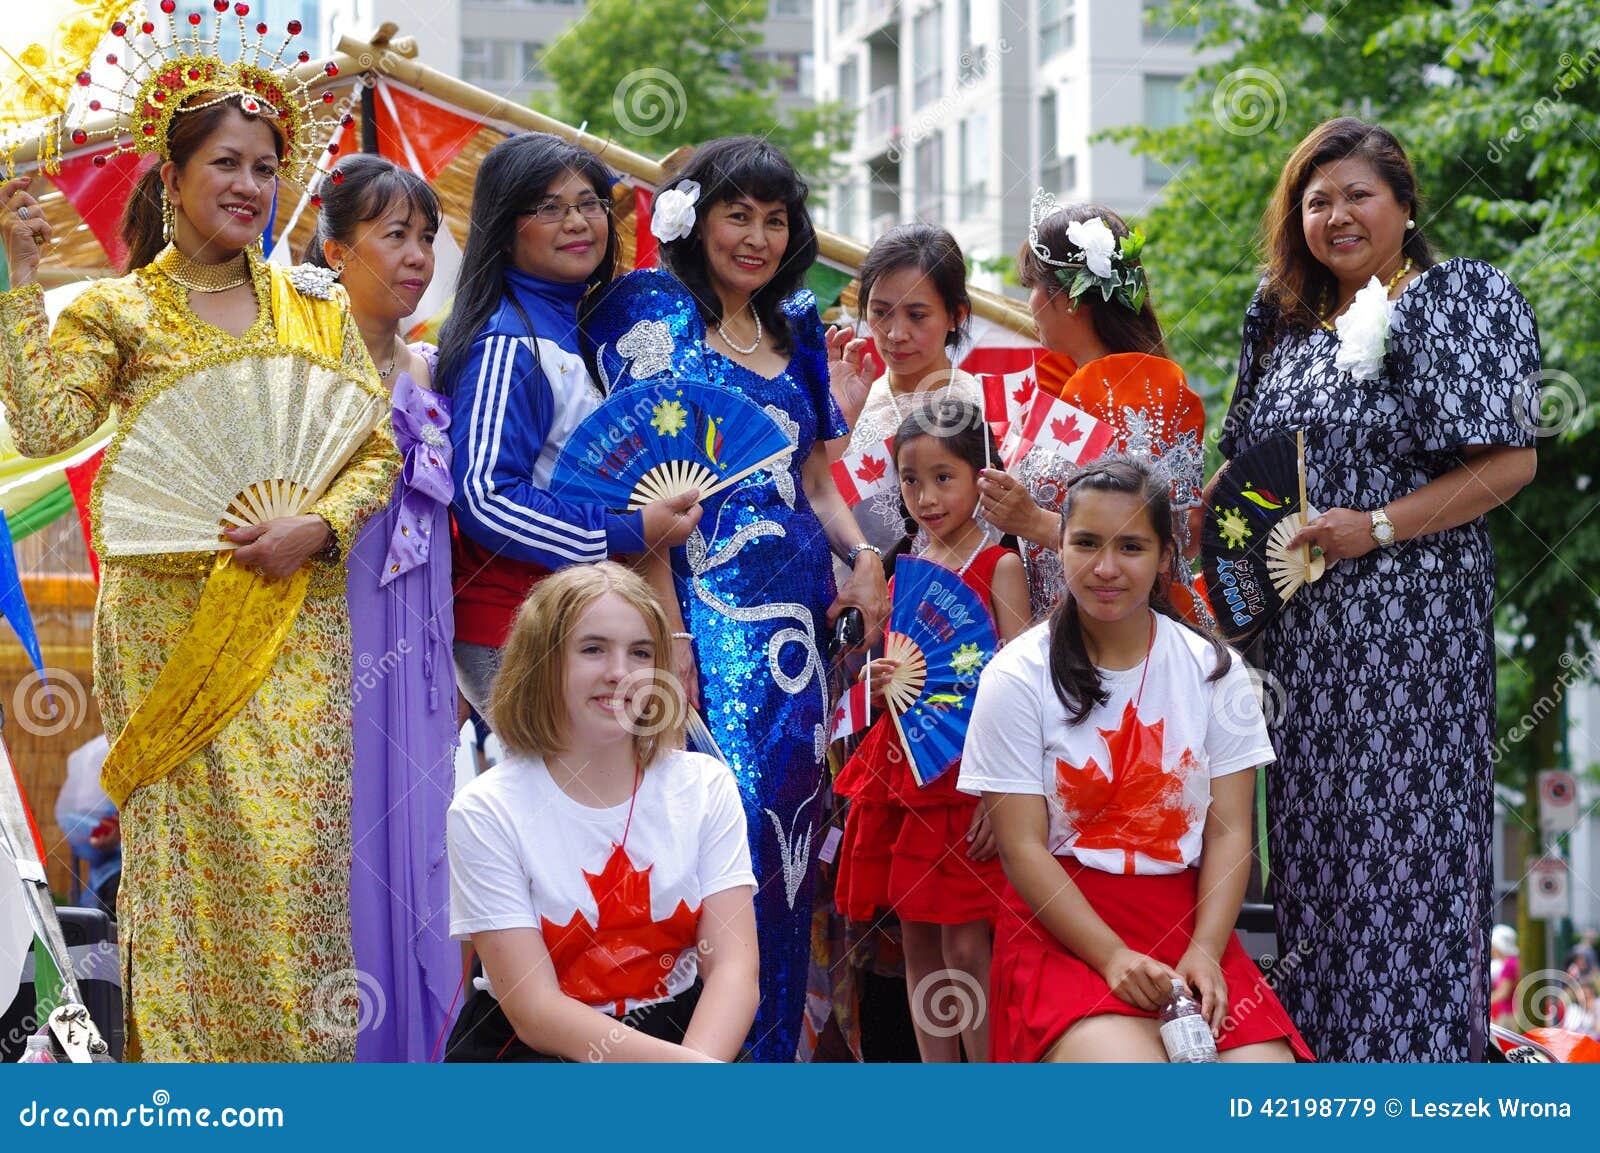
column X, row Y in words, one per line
column 601, row 872
column 1112, row 746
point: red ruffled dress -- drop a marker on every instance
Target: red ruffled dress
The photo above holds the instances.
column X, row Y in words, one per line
column 905, row 845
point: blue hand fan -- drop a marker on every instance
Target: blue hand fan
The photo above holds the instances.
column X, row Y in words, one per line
column 656, row 441
column 941, row 633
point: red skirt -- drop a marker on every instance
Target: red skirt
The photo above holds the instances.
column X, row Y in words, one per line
column 1039, row 990
column 905, row 846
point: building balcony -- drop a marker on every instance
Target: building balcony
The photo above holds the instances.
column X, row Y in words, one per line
column 879, row 20
column 882, row 121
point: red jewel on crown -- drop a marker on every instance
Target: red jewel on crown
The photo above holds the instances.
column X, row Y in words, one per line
column 327, row 97
column 333, row 150
column 304, row 57
column 251, row 105
column 100, row 160
column 94, row 106
column 169, row 6
column 147, row 27
column 337, row 177
column 293, row 27
column 241, row 10
column 111, row 59
column 261, row 29
column 331, row 68
column 220, row 5
column 83, row 79
column 79, row 136
column 119, row 29
column 194, row 19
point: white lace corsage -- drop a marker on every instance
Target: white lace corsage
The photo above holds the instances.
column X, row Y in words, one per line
column 1364, row 332
column 673, row 215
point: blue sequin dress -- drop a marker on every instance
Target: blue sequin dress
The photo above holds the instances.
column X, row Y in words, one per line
column 754, row 582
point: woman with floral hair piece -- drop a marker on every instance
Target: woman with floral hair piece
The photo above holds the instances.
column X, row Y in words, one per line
column 753, row 590
column 1090, row 298
column 1416, row 385
column 223, row 674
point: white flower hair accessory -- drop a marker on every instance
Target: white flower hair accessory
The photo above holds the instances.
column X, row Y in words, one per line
column 1100, row 261
column 673, row 217
column 1363, row 330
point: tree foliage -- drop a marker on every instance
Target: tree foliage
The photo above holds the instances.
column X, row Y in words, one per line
column 655, row 75
column 1499, row 108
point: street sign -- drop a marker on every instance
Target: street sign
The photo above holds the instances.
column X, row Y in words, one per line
column 1547, row 891
column 1558, row 801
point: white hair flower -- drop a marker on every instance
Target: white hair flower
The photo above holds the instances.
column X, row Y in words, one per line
column 672, row 218
column 1096, row 241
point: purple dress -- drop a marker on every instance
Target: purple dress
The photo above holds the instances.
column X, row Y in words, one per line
column 402, row 626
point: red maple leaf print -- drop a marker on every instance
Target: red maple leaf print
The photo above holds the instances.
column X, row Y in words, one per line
column 1022, row 394
column 872, row 469
column 627, row 954
column 1139, row 806
column 1066, row 430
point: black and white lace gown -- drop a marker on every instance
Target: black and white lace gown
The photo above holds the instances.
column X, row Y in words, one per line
column 1380, row 805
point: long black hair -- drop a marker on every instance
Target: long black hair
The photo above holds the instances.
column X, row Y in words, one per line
column 368, row 186
column 933, row 252
column 959, row 426
column 515, row 174
column 725, row 169
column 1076, row 680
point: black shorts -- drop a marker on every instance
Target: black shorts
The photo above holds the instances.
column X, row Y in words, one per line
column 483, row 1033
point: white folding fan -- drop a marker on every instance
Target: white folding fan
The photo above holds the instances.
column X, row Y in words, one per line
column 237, row 442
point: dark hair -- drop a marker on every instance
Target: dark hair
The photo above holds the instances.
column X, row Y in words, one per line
column 368, row 186
column 1296, row 281
column 731, row 167
column 1076, row 680
column 141, row 227
column 956, row 424
column 515, row 173
column 1118, row 329
column 933, row 252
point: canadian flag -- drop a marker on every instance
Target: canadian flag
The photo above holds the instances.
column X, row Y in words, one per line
column 1006, row 397
column 1054, row 424
column 866, row 473
column 852, row 715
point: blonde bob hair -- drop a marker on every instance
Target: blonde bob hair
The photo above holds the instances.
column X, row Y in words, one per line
column 527, row 703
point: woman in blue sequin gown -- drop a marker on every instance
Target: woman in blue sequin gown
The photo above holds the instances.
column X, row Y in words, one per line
column 754, row 585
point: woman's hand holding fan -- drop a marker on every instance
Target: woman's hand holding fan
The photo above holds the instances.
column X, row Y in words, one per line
column 1341, row 534
column 277, row 548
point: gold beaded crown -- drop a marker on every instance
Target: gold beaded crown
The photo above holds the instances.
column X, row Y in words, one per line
column 163, row 74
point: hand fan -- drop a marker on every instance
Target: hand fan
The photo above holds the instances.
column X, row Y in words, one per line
column 1258, row 506
column 652, row 442
column 941, row 633
column 253, row 436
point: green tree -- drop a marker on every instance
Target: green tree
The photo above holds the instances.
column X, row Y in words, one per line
column 1497, row 105
column 655, row 75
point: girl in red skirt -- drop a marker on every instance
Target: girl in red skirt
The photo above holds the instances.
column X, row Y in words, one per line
column 1113, row 746
column 926, row 851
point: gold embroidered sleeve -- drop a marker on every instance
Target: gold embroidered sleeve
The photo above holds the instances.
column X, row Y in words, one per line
column 56, row 386
column 366, row 481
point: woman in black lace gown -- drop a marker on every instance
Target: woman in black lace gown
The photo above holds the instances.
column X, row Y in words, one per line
column 1380, row 805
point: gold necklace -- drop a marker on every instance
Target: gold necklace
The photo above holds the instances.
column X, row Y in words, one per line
column 1393, row 280
column 197, row 277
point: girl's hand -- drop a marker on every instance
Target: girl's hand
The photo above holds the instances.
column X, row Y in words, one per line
column 277, row 548
column 1201, row 972
column 850, row 371
column 687, row 672
column 1140, row 980
column 668, row 523
column 1341, row 534
column 876, row 673
column 1006, row 504
column 868, row 591
column 25, row 229
column 981, row 844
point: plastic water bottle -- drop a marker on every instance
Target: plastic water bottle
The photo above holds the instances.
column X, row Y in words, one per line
column 1184, row 1031
column 38, row 1051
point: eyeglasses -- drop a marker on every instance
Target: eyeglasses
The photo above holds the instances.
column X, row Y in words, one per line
column 554, row 212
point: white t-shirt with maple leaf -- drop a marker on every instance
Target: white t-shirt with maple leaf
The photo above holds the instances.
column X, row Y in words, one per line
column 1127, row 789
column 524, row 853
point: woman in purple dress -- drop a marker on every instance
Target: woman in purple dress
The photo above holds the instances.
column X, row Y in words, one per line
column 375, row 233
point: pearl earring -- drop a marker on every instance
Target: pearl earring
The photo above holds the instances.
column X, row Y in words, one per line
column 1410, row 224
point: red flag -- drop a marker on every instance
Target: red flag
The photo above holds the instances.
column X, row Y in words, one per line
column 80, row 479
column 1055, row 424
column 1006, row 397
column 432, row 132
column 851, row 716
column 100, row 194
column 644, row 241
column 865, row 474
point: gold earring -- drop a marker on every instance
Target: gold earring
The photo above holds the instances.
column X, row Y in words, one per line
column 169, row 220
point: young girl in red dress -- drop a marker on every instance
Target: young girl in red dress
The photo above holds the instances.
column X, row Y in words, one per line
column 1113, row 746
column 926, row 852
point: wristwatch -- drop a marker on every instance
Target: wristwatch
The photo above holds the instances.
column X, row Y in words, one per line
column 1382, row 528
column 850, row 561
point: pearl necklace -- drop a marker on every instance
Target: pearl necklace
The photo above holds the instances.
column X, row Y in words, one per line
column 983, row 539
column 1393, row 280
column 726, row 339
column 197, row 277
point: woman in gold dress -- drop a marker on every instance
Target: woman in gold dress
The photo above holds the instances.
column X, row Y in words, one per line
column 234, row 915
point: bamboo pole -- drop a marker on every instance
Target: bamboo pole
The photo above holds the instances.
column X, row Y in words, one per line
column 394, row 58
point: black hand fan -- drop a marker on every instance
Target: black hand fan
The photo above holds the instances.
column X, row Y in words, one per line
column 1258, row 506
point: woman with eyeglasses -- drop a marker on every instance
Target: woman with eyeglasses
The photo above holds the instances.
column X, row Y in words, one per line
column 540, row 241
